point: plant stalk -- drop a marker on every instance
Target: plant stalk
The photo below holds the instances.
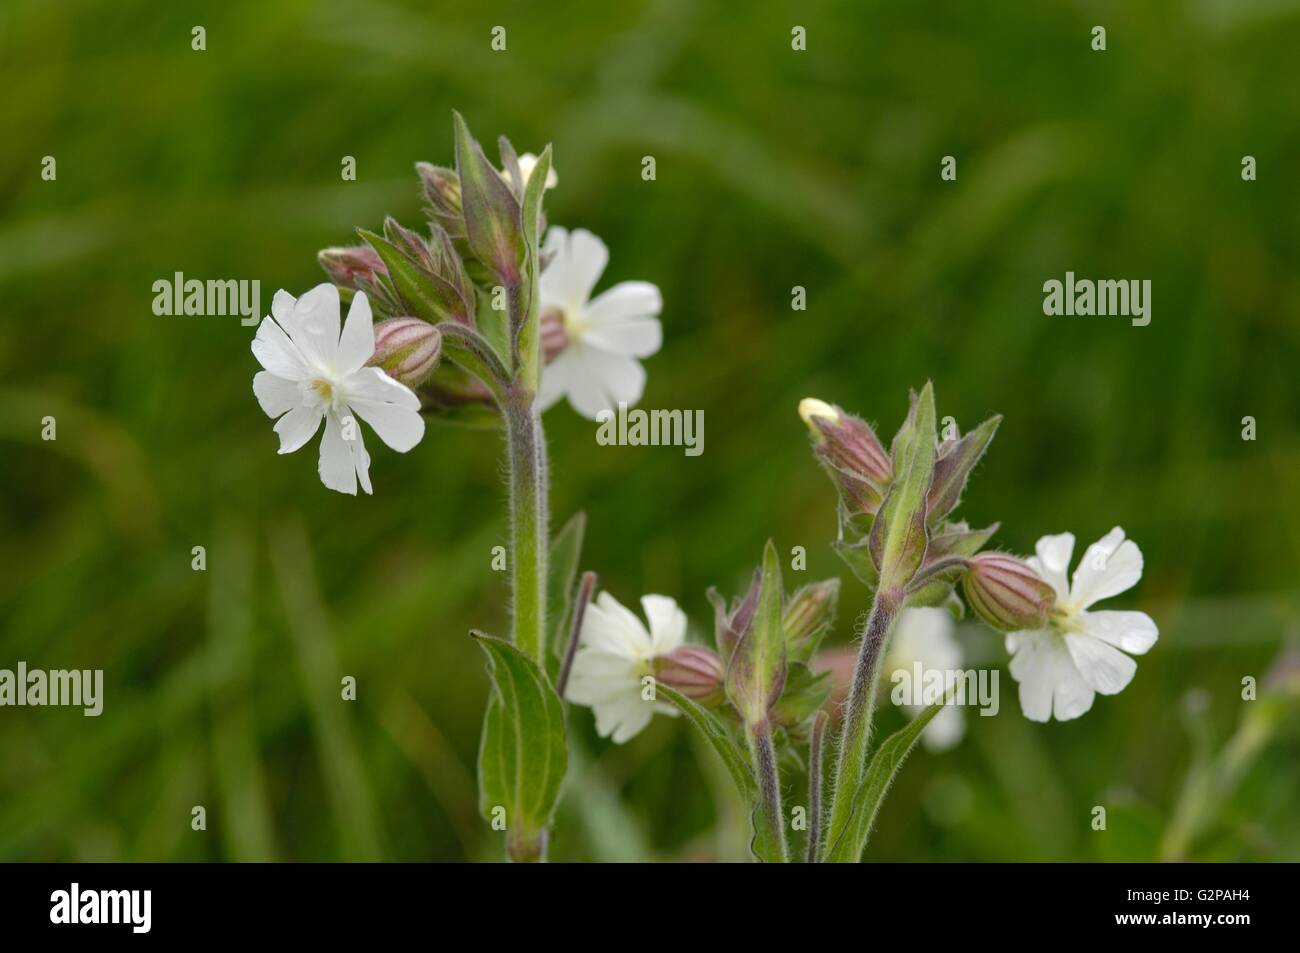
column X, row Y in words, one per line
column 855, row 737
column 769, row 783
column 526, row 445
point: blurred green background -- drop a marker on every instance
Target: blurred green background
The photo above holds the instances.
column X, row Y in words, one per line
column 775, row 169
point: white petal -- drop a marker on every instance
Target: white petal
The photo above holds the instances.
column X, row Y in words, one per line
column 275, row 394
column 635, row 717
column 357, row 345
column 598, row 677
column 623, row 319
column 1103, row 666
column 605, row 380
column 1110, row 566
column 399, row 427
column 276, row 352
column 372, row 384
column 297, row 427
column 282, row 306
column 1053, row 561
column 924, row 635
column 1050, row 684
column 1134, row 632
column 556, row 377
column 580, row 257
column 337, row 469
column 945, row 729
column 667, row 623
column 314, row 326
column 608, row 626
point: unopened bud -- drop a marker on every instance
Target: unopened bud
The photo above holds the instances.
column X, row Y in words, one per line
column 695, row 671
column 1006, row 592
column 442, row 190
column 350, row 267
column 851, row 453
column 407, row 349
column 810, row 611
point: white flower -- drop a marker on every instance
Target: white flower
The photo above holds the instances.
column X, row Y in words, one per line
column 598, row 367
column 313, row 374
column 926, row 636
column 1061, row 668
column 615, row 652
column 528, row 162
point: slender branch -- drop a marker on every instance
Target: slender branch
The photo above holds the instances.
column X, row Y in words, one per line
column 815, row 750
column 585, row 590
column 855, row 737
column 935, row 569
column 528, row 523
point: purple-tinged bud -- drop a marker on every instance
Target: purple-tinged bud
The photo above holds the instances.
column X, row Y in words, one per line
column 1006, row 592
column 555, row 337
column 695, row 671
column 407, row 349
column 851, row 453
column 350, row 267
column 730, row 625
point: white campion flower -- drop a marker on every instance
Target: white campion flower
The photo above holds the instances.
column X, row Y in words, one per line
column 599, row 340
column 1061, row 668
column 925, row 635
column 615, row 652
column 312, row 373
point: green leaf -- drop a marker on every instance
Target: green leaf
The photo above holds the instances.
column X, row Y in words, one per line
column 468, row 348
column 898, row 536
column 492, row 214
column 871, row 793
column 428, row 296
column 529, row 333
column 562, row 577
column 953, row 468
column 756, row 672
column 715, row 732
column 522, row 756
column 805, row 692
column 857, row 556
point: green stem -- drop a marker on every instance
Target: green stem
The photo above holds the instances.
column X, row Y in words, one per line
column 526, row 443
column 855, row 738
column 769, row 786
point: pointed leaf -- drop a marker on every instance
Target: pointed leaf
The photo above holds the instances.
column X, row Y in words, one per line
column 492, row 215
column 428, row 296
column 952, row 470
column 875, row 785
column 522, row 754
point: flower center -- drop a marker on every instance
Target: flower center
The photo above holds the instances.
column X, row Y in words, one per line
column 575, row 322
column 319, row 392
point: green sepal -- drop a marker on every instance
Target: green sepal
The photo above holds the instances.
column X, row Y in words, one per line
column 492, row 214
column 757, row 669
column 898, row 535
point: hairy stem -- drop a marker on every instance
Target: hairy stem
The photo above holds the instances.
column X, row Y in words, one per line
column 769, row 785
column 855, row 737
column 815, row 749
column 526, row 444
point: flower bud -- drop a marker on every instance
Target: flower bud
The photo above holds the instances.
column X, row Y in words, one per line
column 407, row 349
column 849, row 450
column 1007, row 593
column 695, row 671
column 810, row 611
column 347, row 267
